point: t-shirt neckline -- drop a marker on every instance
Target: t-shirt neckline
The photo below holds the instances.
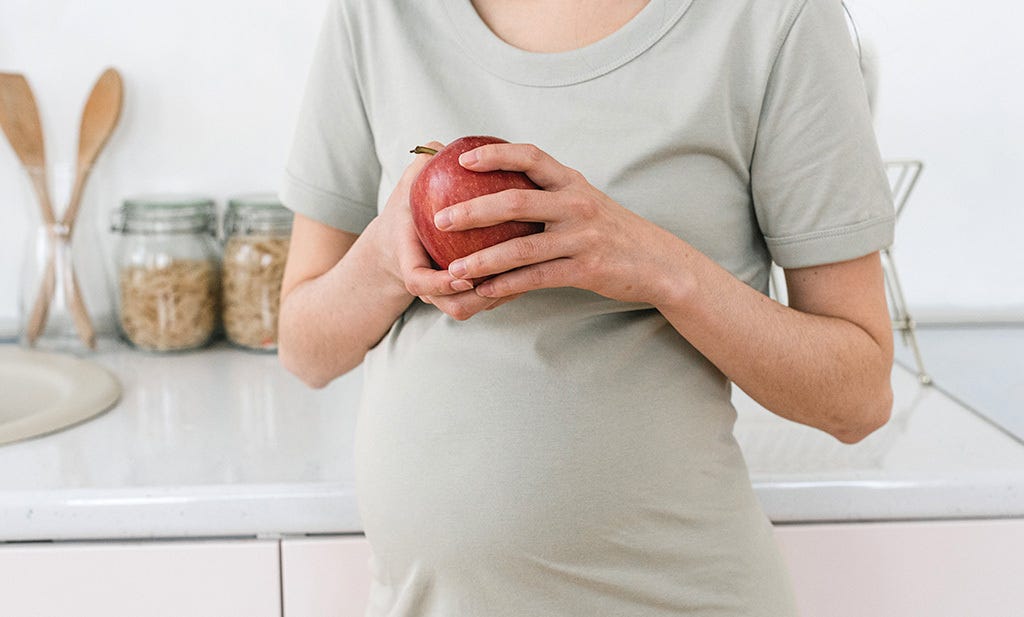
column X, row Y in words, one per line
column 562, row 68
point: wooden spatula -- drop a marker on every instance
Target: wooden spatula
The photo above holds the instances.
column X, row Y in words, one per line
column 19, row 118
column 99, row 118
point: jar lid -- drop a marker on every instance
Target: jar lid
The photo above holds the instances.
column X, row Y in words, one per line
column 166, row 214
column 257, row 212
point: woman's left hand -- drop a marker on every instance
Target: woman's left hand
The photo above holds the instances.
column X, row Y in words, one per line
column 589, row 242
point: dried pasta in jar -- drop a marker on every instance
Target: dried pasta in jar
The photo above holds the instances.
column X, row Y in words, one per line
column 171, row 306
column 257, row 229
column 253, row 269
column 168, row 272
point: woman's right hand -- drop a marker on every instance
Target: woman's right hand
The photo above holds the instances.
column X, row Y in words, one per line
column 342, row 292
column 408, row 262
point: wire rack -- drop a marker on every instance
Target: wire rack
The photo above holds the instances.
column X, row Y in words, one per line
column 903, row 176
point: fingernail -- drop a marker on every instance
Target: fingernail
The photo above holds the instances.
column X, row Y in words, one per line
column 443, row 219
column 462, row 285
column 468, row 159
column 457, row 268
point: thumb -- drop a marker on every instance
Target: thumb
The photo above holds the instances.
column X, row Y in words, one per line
column 418, row 162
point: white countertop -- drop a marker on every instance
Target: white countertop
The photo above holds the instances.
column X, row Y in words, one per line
column 223, row 442
column 978, row 364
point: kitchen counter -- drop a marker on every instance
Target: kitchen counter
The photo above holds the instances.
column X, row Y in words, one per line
column 218, row 442
column 224, row 443
column 978, row 364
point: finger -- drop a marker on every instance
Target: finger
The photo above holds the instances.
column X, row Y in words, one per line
column 515, row 253
column 418, row 162
column 511, row 205
column 547, row 275
column 541, row 167
column 400, row 195
column 501, row 301
column 411, row 255
column 411, row 258
column 423, row 281
column 462, row 306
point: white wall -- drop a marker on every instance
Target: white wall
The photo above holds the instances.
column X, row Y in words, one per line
column 952, row 94
column 211, row 90
column 212, row 87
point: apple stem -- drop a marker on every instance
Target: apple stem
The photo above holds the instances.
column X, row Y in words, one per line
column 423, row 150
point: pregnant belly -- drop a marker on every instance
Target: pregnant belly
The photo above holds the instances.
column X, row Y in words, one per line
column 540, row 476
column 554, row 453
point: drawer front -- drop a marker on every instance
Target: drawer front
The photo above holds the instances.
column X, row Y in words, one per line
column 156, row 579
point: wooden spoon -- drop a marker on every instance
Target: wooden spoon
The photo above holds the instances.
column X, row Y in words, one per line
column 99, row 118
column 19, row 118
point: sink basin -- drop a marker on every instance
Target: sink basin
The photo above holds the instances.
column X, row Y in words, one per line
column 43, row 392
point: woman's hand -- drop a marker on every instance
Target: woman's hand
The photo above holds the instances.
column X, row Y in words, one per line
column 589, row 242
column 398, row 247
column 409, row 263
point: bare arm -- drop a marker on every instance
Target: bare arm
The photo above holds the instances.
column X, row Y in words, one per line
column 337, row 301
column 824, row 361
column 342, row 292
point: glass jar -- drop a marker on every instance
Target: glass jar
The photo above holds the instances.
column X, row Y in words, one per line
column 63, row 294
column 168, row 272
column 257, row 229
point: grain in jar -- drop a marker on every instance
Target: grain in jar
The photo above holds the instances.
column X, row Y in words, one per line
column 256, row 230
column 168, row 272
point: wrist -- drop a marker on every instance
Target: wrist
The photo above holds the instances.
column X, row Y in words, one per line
column 377, row 261
column 678, row 283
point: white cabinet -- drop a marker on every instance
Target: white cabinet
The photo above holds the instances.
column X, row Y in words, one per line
column 325, row 576
column 898, row 569
column 132, row 579
column 938, row 569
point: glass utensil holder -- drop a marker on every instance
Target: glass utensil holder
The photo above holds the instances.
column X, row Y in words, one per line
column 50, row 273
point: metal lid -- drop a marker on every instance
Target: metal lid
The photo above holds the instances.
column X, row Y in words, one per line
column 257, row 212
column 165, row 214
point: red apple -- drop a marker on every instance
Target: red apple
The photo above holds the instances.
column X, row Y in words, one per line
column 443, row 182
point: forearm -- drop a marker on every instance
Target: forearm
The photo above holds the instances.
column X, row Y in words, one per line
column 824, row 362
column 328, row 323
column 818, row 370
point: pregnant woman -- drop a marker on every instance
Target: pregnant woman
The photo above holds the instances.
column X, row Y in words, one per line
column 558, row 440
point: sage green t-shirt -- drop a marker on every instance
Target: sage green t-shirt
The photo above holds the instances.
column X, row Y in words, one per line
column 567, row 454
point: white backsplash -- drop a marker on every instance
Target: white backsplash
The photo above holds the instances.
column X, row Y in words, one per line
column 212, row 88
column 211, row 92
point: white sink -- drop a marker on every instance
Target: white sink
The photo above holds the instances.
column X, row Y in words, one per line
column 43, row 392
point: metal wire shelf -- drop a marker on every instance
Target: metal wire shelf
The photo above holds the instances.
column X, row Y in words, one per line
column 903, row 176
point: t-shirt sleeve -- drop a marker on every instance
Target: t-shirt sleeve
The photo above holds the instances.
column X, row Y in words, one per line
column 821, row 194
column 332, row 173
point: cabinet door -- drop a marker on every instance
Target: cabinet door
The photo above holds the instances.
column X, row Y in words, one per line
column 155, row 579
column 938, row 569
column 325, row 576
